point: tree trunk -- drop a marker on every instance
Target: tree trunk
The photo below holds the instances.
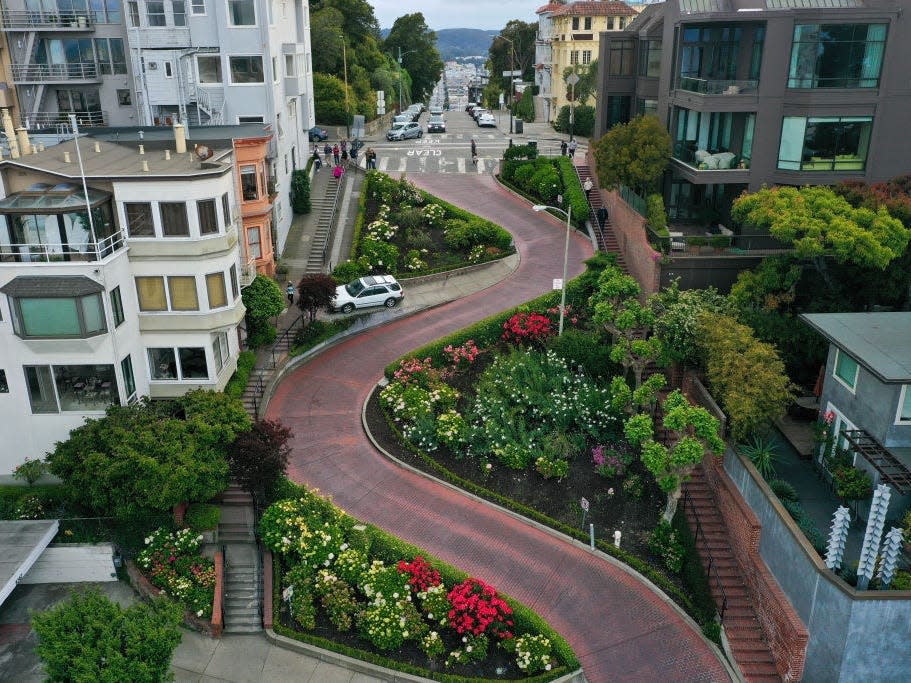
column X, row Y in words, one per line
column 671, row 508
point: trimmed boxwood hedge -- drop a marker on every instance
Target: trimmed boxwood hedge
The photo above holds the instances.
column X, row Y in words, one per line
column 391, row 549
column 238, row 382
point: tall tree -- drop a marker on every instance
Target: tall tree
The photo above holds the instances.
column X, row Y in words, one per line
column 326, row 31
column 418, row 45
column 634, row 154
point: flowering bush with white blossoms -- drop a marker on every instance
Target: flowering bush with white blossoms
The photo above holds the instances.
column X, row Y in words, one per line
column 451, row 429
column 435, row 604
column 413, row 260
column 533, row 653
column 173, row 563
column 434, row 214
column 381, row 230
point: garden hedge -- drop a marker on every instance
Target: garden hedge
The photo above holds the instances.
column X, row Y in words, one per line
column 238, row 382
column 573, row 194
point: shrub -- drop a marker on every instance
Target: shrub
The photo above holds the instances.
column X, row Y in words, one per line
column 783, row 490
column 257, row 459
column 573, row 195
column 664, row 543
column 378, row 256
column 347, row 271
column 462, row 235
column 236, row 386
column 421, row 575
column 901, row 581
column 633, row 486
column 545, row 184
column 409, row 218
column 656, row 215
column 300, row 192
column 533, row 653
column 551, row 467
column 202, row 516
column 762, row 453
column 173, row 563
column 478, row 610
column 852, row 483
column 585, row 349
column 30, row 470
column 337, row 598
column 527, row 329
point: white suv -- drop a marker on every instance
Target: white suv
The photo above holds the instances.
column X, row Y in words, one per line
column 372, row 290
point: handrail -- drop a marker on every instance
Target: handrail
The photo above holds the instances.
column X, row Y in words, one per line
column 48, row 252
column 284, row 336
column 712, row 569
column 338, row 189
column 17, row 19
column 79, row 71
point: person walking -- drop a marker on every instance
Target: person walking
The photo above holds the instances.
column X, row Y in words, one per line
column 474, row 152
column 587, row 186
column 337, row 173
column 317, row 162
column 344, row 145
column 562, row 148
column 602, row 216
column 327, row 151
column 344, row 156
column 572, row 147
column 290, row 290
column 370, row 156
column 336, row 154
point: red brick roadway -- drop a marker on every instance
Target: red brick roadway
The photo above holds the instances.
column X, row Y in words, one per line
column 619, row 628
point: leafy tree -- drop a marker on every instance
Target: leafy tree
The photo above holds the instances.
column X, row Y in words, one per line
column 634, row 154
column 30, row 470
column 300, row 191
column 360, row 24
column 411, row 35
column 746, row 375
column 263, row 299
column 691, row 432
column 525, row 105
column 149, row 456
column 326, row 36
column 677, row 313
column 817, row 223
column 518, row 55
column 315, row 292
column 329, row 99
column 259, row 458
column 583, row 120
column 91, row 638
column 588, row 81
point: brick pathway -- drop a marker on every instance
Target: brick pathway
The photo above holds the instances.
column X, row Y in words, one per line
column 619, row 628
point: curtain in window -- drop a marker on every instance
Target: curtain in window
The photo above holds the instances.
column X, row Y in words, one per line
column 183, row 293
column 150, row 291
column 49, row 317
column 215, row 287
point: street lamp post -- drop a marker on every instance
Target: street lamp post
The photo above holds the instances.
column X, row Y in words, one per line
column 512, row 67
column 568, row 213
column 402, row 54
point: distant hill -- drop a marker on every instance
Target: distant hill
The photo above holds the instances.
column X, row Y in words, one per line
column 463, row 42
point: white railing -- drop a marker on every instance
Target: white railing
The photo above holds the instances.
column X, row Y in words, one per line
column 42, row 119
column 26, row 19
column 247, row 272
column 56, row 252
column 74, row 71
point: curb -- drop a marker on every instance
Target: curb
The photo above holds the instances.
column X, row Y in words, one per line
column 732, row 670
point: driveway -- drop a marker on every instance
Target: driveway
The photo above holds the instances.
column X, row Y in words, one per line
column 619, row 628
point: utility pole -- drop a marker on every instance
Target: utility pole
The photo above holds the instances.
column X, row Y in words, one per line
column 402, row 54
column 512, row 68
column 345, row 69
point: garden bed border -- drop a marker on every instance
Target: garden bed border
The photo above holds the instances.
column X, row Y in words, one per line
column 145, row 588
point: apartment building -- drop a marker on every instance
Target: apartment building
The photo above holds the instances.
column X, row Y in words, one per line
column 785, row 92
column 119, row 283
column 568, row 37
column 159, row 62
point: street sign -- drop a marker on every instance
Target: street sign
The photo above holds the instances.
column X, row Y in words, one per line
column 380, row 96
column 584, row 504
column 558, row 284
column 572, row 79
column 518, row 72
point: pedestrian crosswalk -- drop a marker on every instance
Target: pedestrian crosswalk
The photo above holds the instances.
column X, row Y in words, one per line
column 441, row 164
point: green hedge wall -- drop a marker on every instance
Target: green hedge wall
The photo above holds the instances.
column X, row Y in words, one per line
column 238, row 382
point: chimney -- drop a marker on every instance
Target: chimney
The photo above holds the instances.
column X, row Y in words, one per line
column 142, row 149
column 24, row 145
column 10, row 133
column 97, row 147
column 66, row 158
column 145, row 165
column 180, row 139
column 167, row 155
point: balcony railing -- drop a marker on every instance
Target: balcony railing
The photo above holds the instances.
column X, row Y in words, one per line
column 50, row 252
column 45, row 73
column 247, row 272
column 14, row 20
column 46, row 119
column 706, row 86
column 724, row 160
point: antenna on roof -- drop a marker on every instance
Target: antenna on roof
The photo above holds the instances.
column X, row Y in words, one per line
column 85, row 187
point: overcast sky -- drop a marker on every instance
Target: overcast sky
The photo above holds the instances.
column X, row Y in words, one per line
column 484, row 14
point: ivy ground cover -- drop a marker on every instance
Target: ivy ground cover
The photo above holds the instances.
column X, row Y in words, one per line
column 357, row 590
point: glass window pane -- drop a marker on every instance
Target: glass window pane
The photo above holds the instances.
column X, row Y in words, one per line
column 180, row 12
column 226, row 209
column 93, row 314
column 150, row 291
column 183, row 293
column 215, row 286
column 129, row 382
column 85, row 387
column 49, row 318
column 242, row 12
column 235, row 288
column 40, row 388
column 209, row 68
column 846, row 368
column 208, row 219
column 253, row 242
column 905, row 413
column 139, row 219
column 4, row 385
column 220, row 350
column 117, row 306
column 247, row 69
column 162, row 364
column 248, row 183
column 174, row 219
column 790, row 149
column 193, row 363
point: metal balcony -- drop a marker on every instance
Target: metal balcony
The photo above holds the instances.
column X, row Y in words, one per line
column 26, row 20
column 56, row 73
column 56, row 252
column 707, row 86
column 49, row 119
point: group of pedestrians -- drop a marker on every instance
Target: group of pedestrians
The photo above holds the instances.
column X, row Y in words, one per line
column 568, row 148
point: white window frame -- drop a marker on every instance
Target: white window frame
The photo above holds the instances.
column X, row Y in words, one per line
column 197, row 5
column 904, row 395
column 231, row 70
column 231, row 24
column 850, row 387
column 221, row 351
column 221, row 69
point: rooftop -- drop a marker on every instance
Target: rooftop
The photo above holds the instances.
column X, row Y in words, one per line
column 881, row 342
column 604, row 8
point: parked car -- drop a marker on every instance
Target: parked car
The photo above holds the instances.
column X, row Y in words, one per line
column 470, row 106
column 436, row 111
column 372, row 290
column 403, row 131
column 317, row 134
column 488, row 120
column 402, row 118
column 414, row 110
column 436, row 124
column 476, row 113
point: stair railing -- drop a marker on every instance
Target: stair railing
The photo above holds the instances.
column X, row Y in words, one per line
column 338, row 189
column 284, row 339
column 259, row 388
column 712, row 569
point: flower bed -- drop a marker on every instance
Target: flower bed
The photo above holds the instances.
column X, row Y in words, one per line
column 357, row 590
column 406, row 231
column 172, row 562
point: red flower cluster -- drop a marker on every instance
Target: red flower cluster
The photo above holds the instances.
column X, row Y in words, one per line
column 527, row 328
column 476, row 609
column 421, row 575
column 462, row 356
column 414, row 371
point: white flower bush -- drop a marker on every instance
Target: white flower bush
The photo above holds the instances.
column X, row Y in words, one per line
column 533, row 653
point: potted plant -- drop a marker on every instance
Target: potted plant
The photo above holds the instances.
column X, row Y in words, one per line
column 694, row 244
column 720, row 242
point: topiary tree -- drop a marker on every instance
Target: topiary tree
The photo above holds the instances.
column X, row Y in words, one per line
column 315, row 292
column 91, row 638
column 263, row 299
column 300, row 191
column 634, row 154
column 691, row 432
column 259, row 458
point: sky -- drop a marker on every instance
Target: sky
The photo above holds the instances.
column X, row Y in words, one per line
column 483, row 14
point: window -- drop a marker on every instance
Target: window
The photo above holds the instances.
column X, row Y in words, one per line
column 650, row 58
column 586, row 56
column 4, row 385
column 179, row 9
column 133, row 11
column 904, row 402
column 129, row 381
column 275, row 69
column 81, row 388
column 824, row 143
column 575, row 23
column 220, row 350
column 182, row 289
column 168, row 71
column 226, row 209
column 105, row 11
column 255, row 248
column 250, row 119
column 174, row 219
column 208, row 220
column 574, row 57
column 289, row 65
column 125, row 98
column 110, row 56
column 709, row 53
column 248, row 183
column 241, row 12
column 209, row 68
column 40, row 388
column 139, row 219
column 155, row 12
column 197, row 7
column 163, row 363
column 247, row 69
column 117, row 306
column 150, row 291
column 618, row 107
column 647, row 107
column 846, row 369
column 235, row 286
column 58, row 317
column 837, row 55
column 620, row 58
column 215, row 288
column 610, row 23
column 587, row 24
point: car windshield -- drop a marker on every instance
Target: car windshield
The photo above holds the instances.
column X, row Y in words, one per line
column 354, row 288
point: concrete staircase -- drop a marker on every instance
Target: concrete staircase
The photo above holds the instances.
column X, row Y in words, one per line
column 243, row 570
column 744, row 633
column 607, row 240
column 253, row 393
column 324, row 206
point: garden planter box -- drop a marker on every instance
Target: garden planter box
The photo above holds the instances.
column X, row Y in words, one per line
column 145, row 588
